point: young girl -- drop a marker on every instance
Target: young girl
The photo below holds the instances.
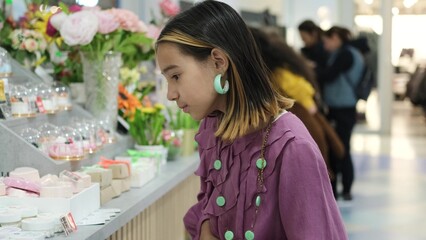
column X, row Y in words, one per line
column 262, row 175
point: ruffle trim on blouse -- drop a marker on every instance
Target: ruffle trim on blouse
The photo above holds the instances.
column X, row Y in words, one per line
column 226, row 181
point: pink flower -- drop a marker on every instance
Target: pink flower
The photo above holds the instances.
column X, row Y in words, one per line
column 128, row 20
column 30, row 45
column 79, row 28
column 153, row 31
column 75, row 8
column 107, row 22
column 169, row 8
column 50, row 30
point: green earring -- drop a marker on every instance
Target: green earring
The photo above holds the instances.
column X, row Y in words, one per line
column 218, row 85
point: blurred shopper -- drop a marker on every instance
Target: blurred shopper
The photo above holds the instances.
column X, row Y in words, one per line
column 295, row 80
column 313, row 49
column 342, row 72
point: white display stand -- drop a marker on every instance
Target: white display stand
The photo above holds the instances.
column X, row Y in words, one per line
column 16, row 152
column 80, row 204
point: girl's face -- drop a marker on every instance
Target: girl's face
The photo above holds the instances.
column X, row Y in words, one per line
column 332, row 43
column 190, row 82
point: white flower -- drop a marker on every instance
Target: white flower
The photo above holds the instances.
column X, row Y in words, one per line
column 79, row 28
column 30, row 45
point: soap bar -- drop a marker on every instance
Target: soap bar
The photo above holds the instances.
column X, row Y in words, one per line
column 141, row 176
column 85, row 178
column 15, row 192
column 107, row 194
column 2, row 188
column 117, row 186
column 100, row 175
column 23, row 184
column 26, row 173
column 61, row 190
column 26, row 211
column 38, row 224
column 126, row 183
column 31, row 235
column 9, row 216
column 119, row 171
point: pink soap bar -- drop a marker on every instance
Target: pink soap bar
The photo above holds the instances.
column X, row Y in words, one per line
column 2, row 189
column 22, row 184
column 15, row 192
column 27, row 173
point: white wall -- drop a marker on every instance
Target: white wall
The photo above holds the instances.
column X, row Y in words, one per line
column 406, row 33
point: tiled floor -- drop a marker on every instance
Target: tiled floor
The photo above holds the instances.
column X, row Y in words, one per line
column 390, row 186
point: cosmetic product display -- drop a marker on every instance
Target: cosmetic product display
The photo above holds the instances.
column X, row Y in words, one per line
column 25, row 211
column 6, row 232
column 59, row 190
column 46, row 99
column 39, row 224
column 26, row 173
column 2, row 188
column 9, row 217
column 99, row 175
column 75, row 180
column 48, row 135
column 68, row 146
column 5, row 74
column 20, row 100
column 27, row 235
column 63, row 97
column 31, row 135
column 22, row 184
column 88, row 136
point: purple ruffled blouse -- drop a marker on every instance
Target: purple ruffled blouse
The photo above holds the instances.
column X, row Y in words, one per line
column 296, row 201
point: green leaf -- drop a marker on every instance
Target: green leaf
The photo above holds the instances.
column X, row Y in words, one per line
column 64, row 8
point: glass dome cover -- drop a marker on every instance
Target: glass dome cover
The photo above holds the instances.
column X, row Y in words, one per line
column 63, row 96
column 20, row 100
column 5, row 63
column 68, row 146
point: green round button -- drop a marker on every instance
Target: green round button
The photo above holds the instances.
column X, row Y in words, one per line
column 229, row 235
column 261, row 163
column 249, row 235
column 258, row 201
column 217, row 164
column 220, row 201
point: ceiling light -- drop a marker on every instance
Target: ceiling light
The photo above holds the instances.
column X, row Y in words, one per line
column 395, row 11
column 409, row 3
column 87, row 3
column 369, row 2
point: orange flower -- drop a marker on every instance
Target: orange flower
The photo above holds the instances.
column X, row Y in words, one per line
column 127, row 103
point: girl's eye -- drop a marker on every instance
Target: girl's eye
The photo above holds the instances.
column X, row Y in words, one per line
column 175, row 77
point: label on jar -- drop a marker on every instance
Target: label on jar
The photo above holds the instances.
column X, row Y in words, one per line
column 40, row 105
column 3, row 85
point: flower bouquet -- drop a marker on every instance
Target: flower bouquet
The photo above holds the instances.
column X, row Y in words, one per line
column 106, row 39
column 30, row 45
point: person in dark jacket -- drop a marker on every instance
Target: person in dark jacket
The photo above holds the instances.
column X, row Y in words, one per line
column 339, row 78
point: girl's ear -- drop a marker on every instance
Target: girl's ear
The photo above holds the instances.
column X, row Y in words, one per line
column 220, row 60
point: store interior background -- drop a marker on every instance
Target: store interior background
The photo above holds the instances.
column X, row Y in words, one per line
column 389, row 146
column 394, row 25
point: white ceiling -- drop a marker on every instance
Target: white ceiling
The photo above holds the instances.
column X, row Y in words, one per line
column 363, row 8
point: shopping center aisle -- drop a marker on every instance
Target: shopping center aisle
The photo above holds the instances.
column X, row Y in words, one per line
column 390, row 186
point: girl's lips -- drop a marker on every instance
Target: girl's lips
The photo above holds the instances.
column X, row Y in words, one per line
column 185, row 109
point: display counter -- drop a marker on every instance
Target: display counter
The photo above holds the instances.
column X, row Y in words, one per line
column 154, row 211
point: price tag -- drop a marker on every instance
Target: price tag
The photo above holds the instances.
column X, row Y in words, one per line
column 68, row 224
